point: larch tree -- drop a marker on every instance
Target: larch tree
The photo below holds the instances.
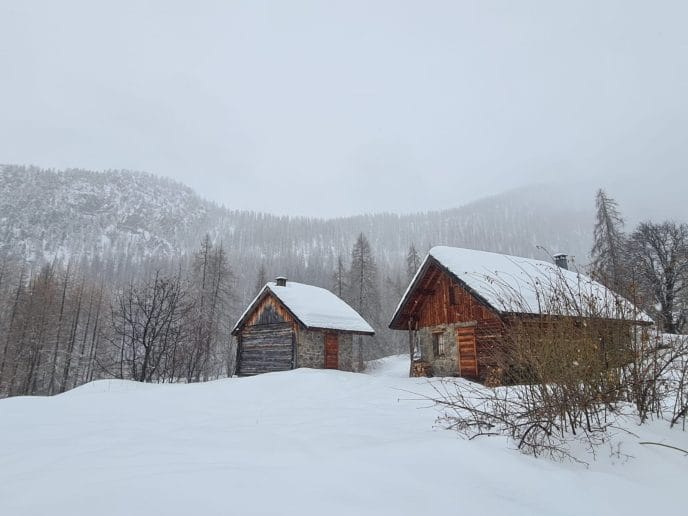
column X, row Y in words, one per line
column 609, row 245
column 220, row 299
column 261, row 279
column 339, row 280
column 363, row 284
column 211, row 281
column 412, row 262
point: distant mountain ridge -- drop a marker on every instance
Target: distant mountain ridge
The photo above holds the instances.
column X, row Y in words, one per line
column 76, row 212
column 48, row 213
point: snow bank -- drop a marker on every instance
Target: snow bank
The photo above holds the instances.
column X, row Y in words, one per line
column 300, row 442
column 396, row 366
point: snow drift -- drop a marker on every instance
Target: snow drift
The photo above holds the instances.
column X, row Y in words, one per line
column 301, row 442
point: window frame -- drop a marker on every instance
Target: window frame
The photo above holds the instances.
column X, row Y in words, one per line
column 439, row 344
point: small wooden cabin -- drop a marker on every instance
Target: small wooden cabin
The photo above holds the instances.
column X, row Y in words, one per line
column 461, row 301
column 290, row 325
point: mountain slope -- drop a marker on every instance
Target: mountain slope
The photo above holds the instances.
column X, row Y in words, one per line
column 76, row 212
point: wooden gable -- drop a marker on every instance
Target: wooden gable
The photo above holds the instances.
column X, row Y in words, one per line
column 270, row 310
column 438, row 298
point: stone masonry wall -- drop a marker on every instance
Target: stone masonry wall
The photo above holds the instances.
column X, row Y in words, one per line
column 446, row 365
column 347, row 361
column 310, row 350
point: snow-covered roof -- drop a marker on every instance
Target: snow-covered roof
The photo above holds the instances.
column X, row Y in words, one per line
column 512, row 284
column 314, row 307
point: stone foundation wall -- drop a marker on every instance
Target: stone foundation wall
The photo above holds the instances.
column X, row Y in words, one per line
column 347, row 356
column 310, row 350
column 447, row 364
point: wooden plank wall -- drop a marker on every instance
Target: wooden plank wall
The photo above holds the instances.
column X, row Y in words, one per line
column 444, row 301
column 260, row 338
column 266, row 348
column 436, row 308
column 275, row 305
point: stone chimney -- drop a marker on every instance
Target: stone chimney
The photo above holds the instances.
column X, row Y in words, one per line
column 281, row 281
column 561, row 260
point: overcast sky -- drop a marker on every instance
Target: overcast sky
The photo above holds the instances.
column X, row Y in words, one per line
column 330, row 108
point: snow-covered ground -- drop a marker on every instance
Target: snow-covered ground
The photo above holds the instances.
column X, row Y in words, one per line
column 302, row 442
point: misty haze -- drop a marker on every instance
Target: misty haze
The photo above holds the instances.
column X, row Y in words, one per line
column 343, row 257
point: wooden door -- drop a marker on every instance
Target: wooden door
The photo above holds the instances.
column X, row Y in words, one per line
column 468, row 357
column 331, row 351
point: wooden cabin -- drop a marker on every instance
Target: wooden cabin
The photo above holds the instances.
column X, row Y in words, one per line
column 461, row 302
column 290, row 325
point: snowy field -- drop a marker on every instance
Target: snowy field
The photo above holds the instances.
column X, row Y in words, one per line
column 302, row 442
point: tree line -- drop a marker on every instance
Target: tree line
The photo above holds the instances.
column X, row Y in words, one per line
column 168, row 318
column 67, row 323
column 649, row 265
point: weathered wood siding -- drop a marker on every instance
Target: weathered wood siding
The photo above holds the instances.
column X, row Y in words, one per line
column 439, row 305
column 443, row 305
column 445, row 302
column 266, row 348
column 267, row 340
column 266, row 311
column 272, row 340
column 466, row 342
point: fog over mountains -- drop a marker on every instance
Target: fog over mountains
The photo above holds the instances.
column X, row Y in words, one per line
column 48, row 214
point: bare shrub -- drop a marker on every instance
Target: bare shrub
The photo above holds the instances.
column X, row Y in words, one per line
column 537, row 419
column 567, row 368
column 677, row 378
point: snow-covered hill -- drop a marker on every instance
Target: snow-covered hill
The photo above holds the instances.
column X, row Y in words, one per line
column 302, row 442
column 47, row 213
column 44, row 214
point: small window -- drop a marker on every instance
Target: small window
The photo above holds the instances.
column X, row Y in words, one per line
column 438, row 344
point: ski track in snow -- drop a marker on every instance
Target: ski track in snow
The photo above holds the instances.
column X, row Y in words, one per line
column 301, row 442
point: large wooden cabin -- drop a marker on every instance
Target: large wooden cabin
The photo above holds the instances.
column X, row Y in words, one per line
column 290, row 325
column 461, row 302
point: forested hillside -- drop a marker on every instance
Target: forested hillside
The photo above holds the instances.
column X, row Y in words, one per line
column 46, row 214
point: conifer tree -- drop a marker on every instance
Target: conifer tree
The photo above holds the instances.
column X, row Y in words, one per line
column 609, row 245
column 412, row 262
column 363, row 284
column 211, row 279
column 261, row 279
column 339, row 280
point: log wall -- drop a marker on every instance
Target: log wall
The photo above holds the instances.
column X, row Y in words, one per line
column 266, row 329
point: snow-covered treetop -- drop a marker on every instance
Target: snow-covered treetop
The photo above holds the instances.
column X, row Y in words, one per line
column 512, row 284
column 314, row 307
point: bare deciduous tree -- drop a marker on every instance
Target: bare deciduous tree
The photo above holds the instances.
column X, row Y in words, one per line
column 148, row 325
column 659, row 254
